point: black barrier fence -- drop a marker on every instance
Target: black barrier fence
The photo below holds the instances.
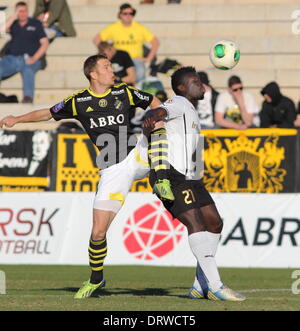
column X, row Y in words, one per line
column 250, row 161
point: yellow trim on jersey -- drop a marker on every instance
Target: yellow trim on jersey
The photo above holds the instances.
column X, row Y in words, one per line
column 119, row 85
column 74, row 107
column 117, row 196
column 74, row 95
column 99, row 95
column 130, row 96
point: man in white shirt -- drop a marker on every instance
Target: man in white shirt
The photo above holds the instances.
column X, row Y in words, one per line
column 236, row 108
column 173, row 153
column 206, row 107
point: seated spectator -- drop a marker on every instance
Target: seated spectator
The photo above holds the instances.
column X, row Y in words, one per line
column 162, row 95
column 121, row 62
column 297, row 121
column 130, row 36
column 25, row 50
column 278, row 111
column 56, row 18
column 236, row 108
column 206, row 107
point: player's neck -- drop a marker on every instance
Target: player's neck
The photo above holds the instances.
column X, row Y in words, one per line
column 99, row 89
column 194, row 102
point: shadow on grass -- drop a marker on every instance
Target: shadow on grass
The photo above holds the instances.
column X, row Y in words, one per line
column 124, row 291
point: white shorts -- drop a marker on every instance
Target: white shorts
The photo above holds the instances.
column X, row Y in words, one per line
column 116, row 180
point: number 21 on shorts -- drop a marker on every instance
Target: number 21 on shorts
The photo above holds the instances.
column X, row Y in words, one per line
column 189, row 196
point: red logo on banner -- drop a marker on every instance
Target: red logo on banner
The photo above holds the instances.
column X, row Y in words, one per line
column 151, row 232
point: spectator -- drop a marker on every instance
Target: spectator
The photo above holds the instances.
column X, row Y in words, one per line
column 206, row 107
column 297, row 121
column 56, row 18
column 236, row 108
column 278, row 111
column 129, row 35
column 121, row 62
column 25, row 50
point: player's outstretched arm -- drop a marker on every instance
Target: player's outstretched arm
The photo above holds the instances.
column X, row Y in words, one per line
column 34, row 116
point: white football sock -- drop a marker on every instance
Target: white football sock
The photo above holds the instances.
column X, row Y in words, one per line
column 201, row 248
column 214, row 239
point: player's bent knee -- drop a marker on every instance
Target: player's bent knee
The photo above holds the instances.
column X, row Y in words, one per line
column 98, row 235
column 215, row 227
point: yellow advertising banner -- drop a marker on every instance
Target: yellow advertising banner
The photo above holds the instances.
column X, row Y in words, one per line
column 253, row 160
column 75, row 164
column 75, row 168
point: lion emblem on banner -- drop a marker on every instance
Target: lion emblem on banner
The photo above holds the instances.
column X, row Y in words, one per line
column 243, row 165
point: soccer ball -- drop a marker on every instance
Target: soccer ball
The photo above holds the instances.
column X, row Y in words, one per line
column 224, row 54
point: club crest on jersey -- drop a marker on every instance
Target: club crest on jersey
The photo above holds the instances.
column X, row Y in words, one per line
column 102, row 103
column 118, row 104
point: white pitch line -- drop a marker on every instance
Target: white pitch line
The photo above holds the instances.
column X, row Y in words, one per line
column 258, row 290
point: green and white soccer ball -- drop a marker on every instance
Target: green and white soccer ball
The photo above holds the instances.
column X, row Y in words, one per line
column 224, row 54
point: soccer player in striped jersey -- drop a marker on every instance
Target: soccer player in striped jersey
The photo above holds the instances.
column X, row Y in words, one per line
column 104, row 110
column 172, row 158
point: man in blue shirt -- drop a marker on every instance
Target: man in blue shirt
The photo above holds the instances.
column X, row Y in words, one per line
column 25, row 50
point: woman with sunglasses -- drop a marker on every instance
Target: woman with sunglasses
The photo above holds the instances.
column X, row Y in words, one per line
column 236, row 108
column 130, row 36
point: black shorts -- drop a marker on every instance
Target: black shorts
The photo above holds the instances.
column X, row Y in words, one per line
column 189, row 194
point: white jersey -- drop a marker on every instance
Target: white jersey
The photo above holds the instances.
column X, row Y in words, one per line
column 183, row 133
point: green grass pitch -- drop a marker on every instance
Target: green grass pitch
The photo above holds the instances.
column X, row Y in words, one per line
column 141, row 288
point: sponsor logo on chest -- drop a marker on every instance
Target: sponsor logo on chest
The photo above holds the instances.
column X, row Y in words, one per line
column 103, row 121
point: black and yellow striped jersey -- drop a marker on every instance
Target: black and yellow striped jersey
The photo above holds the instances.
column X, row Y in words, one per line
column 107, row 114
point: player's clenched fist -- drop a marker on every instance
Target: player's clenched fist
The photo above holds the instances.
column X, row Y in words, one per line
column 8, row 121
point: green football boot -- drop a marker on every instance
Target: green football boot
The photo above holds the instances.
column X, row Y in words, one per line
column 87, row 289
column 162, row 188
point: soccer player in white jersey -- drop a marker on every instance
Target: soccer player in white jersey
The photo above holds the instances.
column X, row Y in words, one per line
column 171, row 158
